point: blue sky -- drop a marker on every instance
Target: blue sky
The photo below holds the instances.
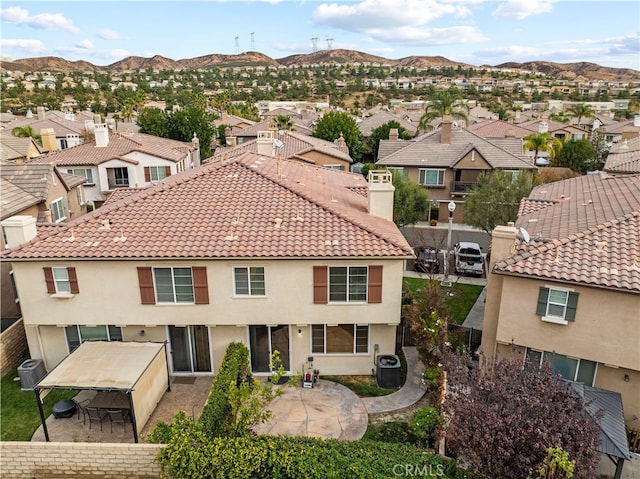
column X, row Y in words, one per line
column 478, row 32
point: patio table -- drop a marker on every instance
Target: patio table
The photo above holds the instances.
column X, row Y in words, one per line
column 110, row 400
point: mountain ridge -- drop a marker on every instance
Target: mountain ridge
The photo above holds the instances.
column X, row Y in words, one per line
column 589, row 71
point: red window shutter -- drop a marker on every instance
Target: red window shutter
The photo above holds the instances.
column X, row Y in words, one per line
column 200, row 285
column 167, row 171
column 48, row 277
column 319, row 285
column 73, row 280
column 374, row 294
column 147, row 174
column 145, row 281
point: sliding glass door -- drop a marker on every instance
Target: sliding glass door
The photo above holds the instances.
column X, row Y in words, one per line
column 263, row 341
column 190, row 350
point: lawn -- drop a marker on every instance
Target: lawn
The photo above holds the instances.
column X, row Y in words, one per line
column 19, row 416
column 459, row 298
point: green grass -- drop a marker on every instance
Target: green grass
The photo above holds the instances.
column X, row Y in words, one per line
column 362, row 386
column 459, row 298
column 19, row 416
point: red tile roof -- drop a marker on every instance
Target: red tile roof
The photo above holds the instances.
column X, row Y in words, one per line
column 583, row 230
column 249, row 206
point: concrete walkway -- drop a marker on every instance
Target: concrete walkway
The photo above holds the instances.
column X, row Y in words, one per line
column 410, row 393
column 476, row 315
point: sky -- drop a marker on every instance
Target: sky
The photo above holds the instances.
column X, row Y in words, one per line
column 477, row 32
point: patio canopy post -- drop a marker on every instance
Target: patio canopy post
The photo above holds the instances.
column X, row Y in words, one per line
column 619, row 463
column 134, row 425
column 42, row 418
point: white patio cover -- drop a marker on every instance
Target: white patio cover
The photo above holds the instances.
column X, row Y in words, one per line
column 127, row 366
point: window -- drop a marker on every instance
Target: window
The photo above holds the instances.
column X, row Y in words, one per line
column 76, row 334
column 249, row 281
column 57, row 210
column 398, row 169
column 14, row 288
column 335, row 167
column 513, row 174
column 118, row 177
column 156, row 173
column 173, row 285
column 61, row 280
column 340, row 339
column 86, row 172
column 79, row 195
column 557, row 305
column 347, row 284
column 431, row 177
column 573, row 369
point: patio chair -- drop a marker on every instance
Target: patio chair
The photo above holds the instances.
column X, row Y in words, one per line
column 95, row 414
column 81, row 407
column 118, row 416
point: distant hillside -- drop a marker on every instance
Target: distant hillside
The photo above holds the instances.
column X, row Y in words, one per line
column 589, row 71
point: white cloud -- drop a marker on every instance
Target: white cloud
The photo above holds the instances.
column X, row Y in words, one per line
column 107, row 34
column 430, row 36
column 42, row 21
column 85, row 44
column 521, row 9
column 32, row 47
column 104, row 54
column 371, row 15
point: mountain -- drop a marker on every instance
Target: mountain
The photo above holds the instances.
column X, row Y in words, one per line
column 589, row 71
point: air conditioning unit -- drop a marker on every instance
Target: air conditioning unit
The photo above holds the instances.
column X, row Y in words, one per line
column 31, row 373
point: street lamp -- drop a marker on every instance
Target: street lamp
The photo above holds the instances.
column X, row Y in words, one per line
column 445, row 282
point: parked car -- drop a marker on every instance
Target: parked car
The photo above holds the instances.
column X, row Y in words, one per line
column 468, row 258
column 427, row 260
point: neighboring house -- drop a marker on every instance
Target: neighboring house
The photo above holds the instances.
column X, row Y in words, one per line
column 624, row 157
column 294, row 146
column 620, row 131
column 382, row 117
column 448, row 162
column 124, row 160
column 41, row 192
column 17, row 149
column 567, row 288
column 277, row 254
column 59, row 133
column 556, row 129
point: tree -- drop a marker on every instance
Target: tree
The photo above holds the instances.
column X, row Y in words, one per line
column 410, row 200
column 538, row 142
column 183, row 124
column 576, row 155
column 335, row 124
column 23, row 131
column 153, row 121
column 580, row 111
column 283, row 122
column 444, row 103
column 504, row 417
column 600, row 149
column 382, row 133
column 496, row 199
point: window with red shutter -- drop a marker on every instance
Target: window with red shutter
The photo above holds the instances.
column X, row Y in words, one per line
column 145, row 281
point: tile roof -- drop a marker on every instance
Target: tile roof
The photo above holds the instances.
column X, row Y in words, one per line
column 428, row 151
column 14, row 148
column 624, row 157
column 120, row 145
column 60, row 126
column 583, row 230
column 249, row 206
column 498, row 129
column 368, row 124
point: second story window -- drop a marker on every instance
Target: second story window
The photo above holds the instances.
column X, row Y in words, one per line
column 61, row 280
column 86, row 172
column 431, row 177
column 173, row 285
column 156, row 173
column 249, row 281
column 118, row 177
column 58, row 213
column 557, row 305
column 348, row 284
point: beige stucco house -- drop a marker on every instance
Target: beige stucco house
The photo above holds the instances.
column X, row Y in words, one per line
column 564, row 284
column 278, row 254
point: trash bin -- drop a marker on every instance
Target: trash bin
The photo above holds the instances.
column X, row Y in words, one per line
column 388, row 371
column 31, row 372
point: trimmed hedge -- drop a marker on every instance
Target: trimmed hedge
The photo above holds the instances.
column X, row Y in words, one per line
column 216, row 415
column 190, row 454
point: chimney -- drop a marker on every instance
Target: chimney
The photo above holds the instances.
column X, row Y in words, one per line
column 393, row 134
column 29, row 114
column 381, row 194
column 340, row 142
column 96, row 118
column 636, row 120
column 102, row 134
column 543, row 127
column 445, row 130
column 396, row 110
column 48, row 139
column 503, row 239
column 629, row 132
column 19, row 230
column 42, row 114
column 266, row 143
column 510, row 133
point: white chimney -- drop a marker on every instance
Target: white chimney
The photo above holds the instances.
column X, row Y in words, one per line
column 42, row 115
column 73, row 139
column 266, row 143
column 29, row 113
column 96, row 118
column 380, row 194
column 102, row 134
column 636, row 120
column 19, row 230
column 543, row 127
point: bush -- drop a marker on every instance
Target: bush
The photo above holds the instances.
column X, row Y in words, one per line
column 426, row 422
column 394, row 432
column 432, row 376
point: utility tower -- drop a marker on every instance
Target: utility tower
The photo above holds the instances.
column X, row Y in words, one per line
column 329, row 40
column 237, row 44
column 314, row 41
column 253, row 42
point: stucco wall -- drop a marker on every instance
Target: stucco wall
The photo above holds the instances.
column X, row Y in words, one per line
column 13, row 346
column 52, row 460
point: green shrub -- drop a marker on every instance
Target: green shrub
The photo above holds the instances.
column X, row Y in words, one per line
column 432, row 376
column 426, row 422
column 394, row 431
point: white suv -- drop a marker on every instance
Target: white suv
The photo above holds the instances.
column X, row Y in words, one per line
column 468, row 258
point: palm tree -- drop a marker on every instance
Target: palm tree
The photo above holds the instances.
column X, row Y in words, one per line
column 581, row 110
column 443, row 103
column 283, row 122
column 23, row 131
column 538, row 142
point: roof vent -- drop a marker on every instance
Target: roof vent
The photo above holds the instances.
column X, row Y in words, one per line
column 105, row 225
column 600, row 245
column 122, row 238
column 277, row 222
